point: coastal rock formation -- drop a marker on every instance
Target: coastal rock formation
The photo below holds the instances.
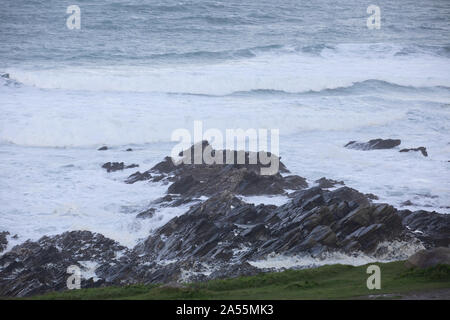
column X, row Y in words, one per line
column 432, row 228
column 37, row 267
column 374, row 144
column 226, row 229
column 328, row 183
column 146, row 214
column 221, row 235
column 116, row 166
column 3, row 240
column 190, row 181
column 423, row 150
column 138, row 176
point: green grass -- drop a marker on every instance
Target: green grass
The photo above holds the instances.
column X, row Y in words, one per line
column 327, row 282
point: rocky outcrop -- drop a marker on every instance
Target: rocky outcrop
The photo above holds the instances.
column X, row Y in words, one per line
column 226, row 229
column 37, row 267
column 423, row 150
column 138, row 176
column 3, row 240
column 104, row 148
column 191, row 181
column 374, row 144
column 325, row 183
column 146, row 214
column 429, row 258
column 220, row 237
column 116, row 166
column 432, row 228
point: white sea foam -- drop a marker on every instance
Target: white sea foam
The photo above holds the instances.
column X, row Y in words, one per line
column 289, row 72
column 395, row 250
column 275, row 200
column 50, row 126
column 88, row 270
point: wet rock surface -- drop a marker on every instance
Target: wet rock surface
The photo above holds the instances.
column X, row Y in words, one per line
column 3, row 240
column 37, row 267
column 374, row 144
column 422, row 150
column 325, row 183
column 222, row 236
column 146, row 214
column 190, row 181
column 116, row 166
column 226, row 229
column 432, row 228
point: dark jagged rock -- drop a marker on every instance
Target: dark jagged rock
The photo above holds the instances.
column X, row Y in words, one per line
column 429, row 258
column 423, row 150
column 325, row 183
column 371, row 196
column 38, row 267
column 221, row 236
column 138, row 176
column 104, row 148
column 374, row 144
column 224, row 229
column 3, row 240
column 165, row 166
column 430, row 227
column 146, row 214
column 192, row 181
column 116, row 166
column 407, row 203
column 129, row 149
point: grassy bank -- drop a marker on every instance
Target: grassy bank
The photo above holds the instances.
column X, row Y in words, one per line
column 327, row 282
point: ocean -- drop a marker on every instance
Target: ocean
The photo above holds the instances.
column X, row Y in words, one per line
column 138, row 70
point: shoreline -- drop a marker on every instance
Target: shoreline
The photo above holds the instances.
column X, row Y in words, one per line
column 222, row 236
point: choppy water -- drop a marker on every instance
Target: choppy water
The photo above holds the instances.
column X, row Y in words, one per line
column 136, row 71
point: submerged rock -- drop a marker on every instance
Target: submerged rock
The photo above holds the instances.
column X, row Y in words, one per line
column 328, row 183
column 429, row 258
column 423, row 150
column 3, row 240
column 372, row 196
column 116, row 166
column 146, row 214
column 374, row 144
column 138, row 176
